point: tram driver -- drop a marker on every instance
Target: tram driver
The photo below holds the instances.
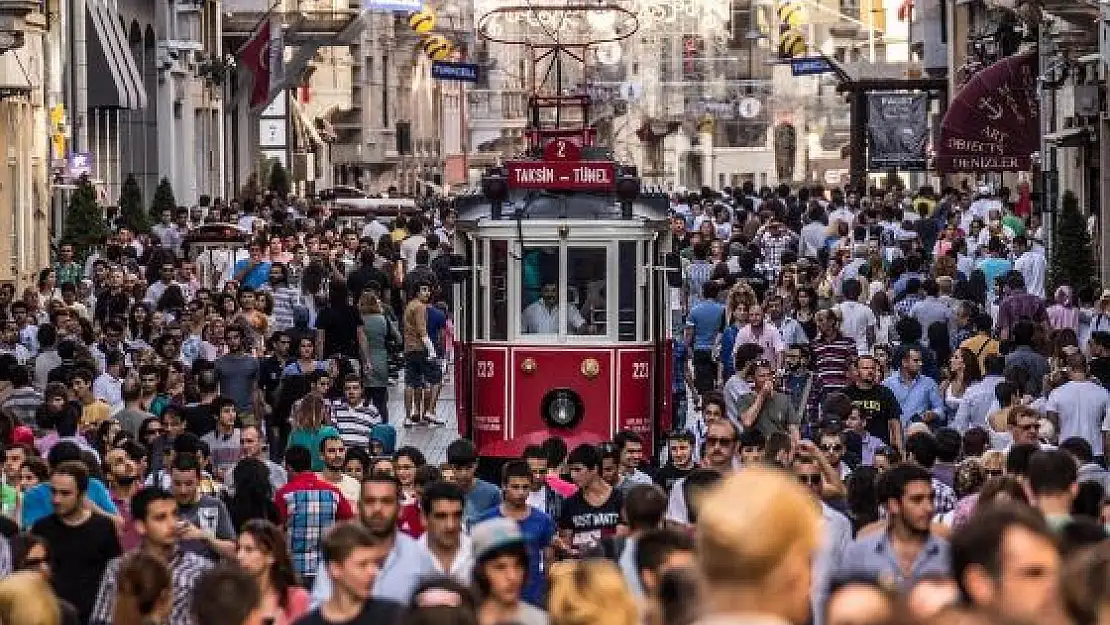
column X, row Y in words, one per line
column 542, row 315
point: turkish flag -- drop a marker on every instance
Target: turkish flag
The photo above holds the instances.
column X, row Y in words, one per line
column 255, row 56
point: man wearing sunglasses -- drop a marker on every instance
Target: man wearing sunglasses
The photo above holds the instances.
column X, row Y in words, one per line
column 836, row 532
column 722, row 440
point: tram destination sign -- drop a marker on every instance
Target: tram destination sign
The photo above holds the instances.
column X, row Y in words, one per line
column 562, row 175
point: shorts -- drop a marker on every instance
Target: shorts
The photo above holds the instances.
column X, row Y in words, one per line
column 433, row 375
column 421, row 372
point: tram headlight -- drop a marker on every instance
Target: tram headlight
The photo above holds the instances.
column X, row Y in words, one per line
column 562, row 408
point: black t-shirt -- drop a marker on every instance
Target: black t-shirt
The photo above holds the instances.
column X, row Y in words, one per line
column 340, row 326
column 878, row 406
column 589, row 523
column 668, row 475
column 78, row 556
column 1100, row 370
column 375, row 612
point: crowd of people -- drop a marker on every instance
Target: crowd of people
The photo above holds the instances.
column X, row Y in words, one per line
column 880, row 417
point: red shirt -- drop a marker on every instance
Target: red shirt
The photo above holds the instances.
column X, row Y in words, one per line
column 410, row 520
column 309, row 481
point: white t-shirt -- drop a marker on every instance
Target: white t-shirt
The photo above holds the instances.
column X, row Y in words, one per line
column 1031, row 264
column 409, row 248
column 1084, row 410
column 856, row 319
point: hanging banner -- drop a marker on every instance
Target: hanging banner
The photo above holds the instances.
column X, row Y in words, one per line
column 993, row 122
column 897, row 130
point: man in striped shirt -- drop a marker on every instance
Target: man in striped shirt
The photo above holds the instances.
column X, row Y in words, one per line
column 833, row 354
column 355, row 416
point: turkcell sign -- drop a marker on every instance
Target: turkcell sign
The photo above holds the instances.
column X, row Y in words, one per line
column 809, row 67
column 463, row 72
column 562, row 175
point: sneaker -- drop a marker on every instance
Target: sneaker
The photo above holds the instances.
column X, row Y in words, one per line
column 410, row 421
column 434, row 422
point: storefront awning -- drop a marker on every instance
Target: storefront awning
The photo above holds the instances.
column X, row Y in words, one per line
column 113, row 77
column 993, row 123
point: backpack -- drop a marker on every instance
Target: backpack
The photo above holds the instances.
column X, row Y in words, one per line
column 613, row 546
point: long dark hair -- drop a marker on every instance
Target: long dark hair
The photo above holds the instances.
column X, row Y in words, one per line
column 271, row 540
column 253, row 498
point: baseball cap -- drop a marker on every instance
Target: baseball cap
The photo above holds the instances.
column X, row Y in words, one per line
column 494, row 535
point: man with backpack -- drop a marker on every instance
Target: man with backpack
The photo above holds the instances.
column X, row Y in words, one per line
column 644, row 506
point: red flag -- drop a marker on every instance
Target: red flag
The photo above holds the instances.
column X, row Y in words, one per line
column 255, row 56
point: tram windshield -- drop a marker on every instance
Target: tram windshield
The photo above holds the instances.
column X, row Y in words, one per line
column 584, row 296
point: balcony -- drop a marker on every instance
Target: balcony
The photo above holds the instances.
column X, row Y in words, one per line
column 497, row 108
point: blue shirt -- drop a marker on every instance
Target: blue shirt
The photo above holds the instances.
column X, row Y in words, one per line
column 678, row 384
column 38, row 503
column 915, row 398
column 479, row 500
column 538, row 530
column 994, row 268
column 437, row 321
column 728, row 345
column 256, row 277
column 706, row 319
column 405, row 566
column 874, row 555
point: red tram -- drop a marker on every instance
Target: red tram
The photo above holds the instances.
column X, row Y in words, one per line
column 563, row 318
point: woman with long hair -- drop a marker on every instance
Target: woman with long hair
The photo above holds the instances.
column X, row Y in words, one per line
column 380, row 333
column 805, row 307
column 263, row 552
column 144, row 590
column 963, row 372
column 31, row 553
column 884, row 313
column 27, row 599
column 590, row 592
column 139, row 326
column 251, row 496
column 310, row 427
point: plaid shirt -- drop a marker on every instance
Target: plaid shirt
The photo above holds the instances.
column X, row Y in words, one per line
column 71, row 273
column 773, row 248
column 185, row 568
column 944, row 498
column 309, row 507
column 903, row 307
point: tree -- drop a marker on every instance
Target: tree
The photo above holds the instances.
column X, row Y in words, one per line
column 85, row 225
column 163, row 200
column 279, row 180
column 131, row 212
column 1073, row 259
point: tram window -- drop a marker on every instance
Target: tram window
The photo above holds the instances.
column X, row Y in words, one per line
column 587, row 310
column 499, row 291
column 626, row 291
column 481, row 287
column 539, row 290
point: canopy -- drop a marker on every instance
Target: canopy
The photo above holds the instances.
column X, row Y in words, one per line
column 993, row 123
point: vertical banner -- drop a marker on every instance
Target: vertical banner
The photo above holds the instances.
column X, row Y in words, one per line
column 897, row 130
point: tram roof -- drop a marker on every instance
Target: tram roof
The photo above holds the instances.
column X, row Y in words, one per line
column 561, row 205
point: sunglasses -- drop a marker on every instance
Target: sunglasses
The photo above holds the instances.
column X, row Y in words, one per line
column 720, row 441
column 833, row 447
column 33, row 563
column 812, row 479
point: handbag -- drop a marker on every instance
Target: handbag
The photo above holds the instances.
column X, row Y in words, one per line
column 393, row 343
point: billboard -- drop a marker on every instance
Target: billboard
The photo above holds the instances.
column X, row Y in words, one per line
column 897, row 130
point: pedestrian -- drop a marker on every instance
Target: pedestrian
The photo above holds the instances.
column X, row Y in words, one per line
column 307, row 507
column 227, row 595
column 351, row 554
column 263, row 553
